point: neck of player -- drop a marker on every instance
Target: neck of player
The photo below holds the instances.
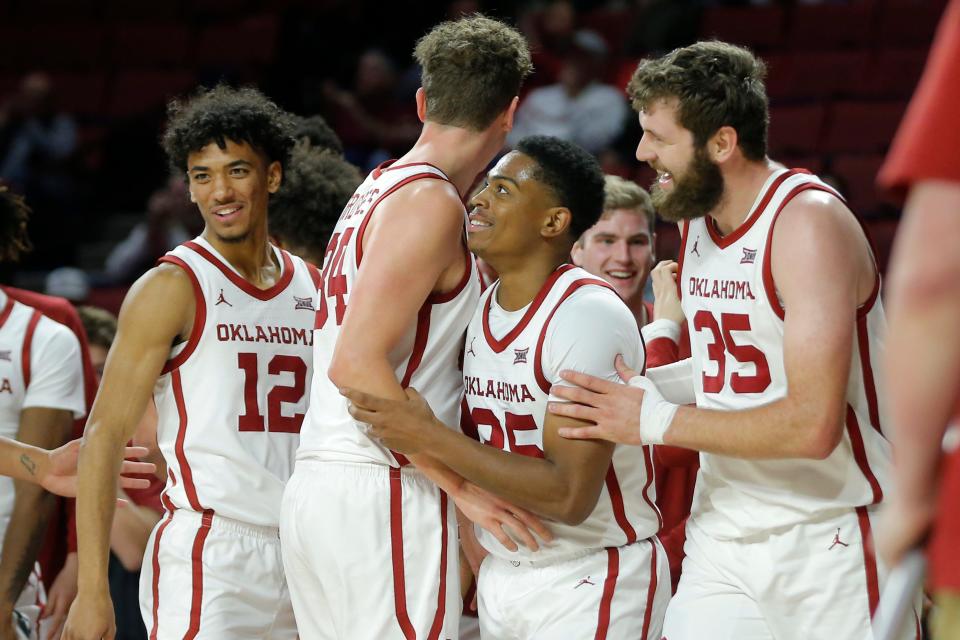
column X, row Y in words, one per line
column 522, row 276
column 252, row 256
column 461, row 154
column 742, row 181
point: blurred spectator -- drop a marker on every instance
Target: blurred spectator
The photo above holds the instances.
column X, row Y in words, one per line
column 374, row 121
column 68, row 282
column 36, row 140
column 170, row 221
column 664, row 25
column 550, row 32
column 315, row 131
column 579, row 108
column 315, row 189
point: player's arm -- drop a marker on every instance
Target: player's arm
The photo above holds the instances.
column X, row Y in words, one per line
column 823, row 271
column 922, row 355
column 52, row 400
column 157, row 311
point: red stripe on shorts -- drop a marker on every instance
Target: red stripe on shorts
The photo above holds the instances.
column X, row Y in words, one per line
column 196, row 599
column 156, row 575
column 651, row 589
column 396, row 555
column 437, row 626
column 609, row 586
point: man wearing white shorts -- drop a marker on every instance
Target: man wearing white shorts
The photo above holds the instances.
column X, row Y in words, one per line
column 781, row 294
column 219, row 334
column 604, row 575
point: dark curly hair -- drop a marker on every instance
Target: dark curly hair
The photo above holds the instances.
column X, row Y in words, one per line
column 472, row 69
column 14, row 214
column 315, row 190
column 572, row 174
column 717, row 84
column 316, row 131
column 224, row 113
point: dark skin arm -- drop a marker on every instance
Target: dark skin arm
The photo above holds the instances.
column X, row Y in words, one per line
column 564, row 485
column 32, row 507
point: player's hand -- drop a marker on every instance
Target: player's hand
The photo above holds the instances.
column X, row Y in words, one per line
column 499, row 516
column 613, row 408
column 903, row 524
column 58, row 469
column 666, row 302
column 90, row 618
column 405, row 425
column 61, row 596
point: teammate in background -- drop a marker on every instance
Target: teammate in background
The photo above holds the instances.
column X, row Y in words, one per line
column 619, row 248
column 398, row 289
column 41, row 392
column 316, row 187
column 314, row 131
column 604, row 573
column 230, row 392
column 923, row 354
column 782, row 302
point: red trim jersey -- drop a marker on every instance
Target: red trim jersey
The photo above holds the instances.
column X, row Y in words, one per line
column 231, row 400
column 427, row 357
column 39, row 367
column 511, row 360
column 735, row 318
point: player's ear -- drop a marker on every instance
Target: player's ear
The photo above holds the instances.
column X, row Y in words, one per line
column 556, row 222
column 274, row 176
column 576, row 253
column 722, row 144
column 510, row 112
column 421, row 105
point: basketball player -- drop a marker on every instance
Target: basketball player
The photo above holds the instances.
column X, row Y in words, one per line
column 398, row 289
column 782, row 302
column 605, row 574
column 230, row 392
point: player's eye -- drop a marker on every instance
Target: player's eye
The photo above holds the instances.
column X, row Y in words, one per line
column 201, row 177
column 502, row 189
column 640, row 242
column 239, row 172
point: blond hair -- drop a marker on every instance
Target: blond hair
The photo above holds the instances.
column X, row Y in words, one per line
column 619, row 193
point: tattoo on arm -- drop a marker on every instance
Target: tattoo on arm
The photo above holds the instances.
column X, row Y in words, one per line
column 28, row 464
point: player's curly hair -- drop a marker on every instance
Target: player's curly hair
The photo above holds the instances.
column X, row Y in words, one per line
column 14, row 214
column 716, row 84
column 317, row 132
column 574, row 176
column 225, row 113
column 471, row 69
column 315, row 189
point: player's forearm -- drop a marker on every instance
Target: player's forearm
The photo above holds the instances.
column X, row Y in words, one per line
column 365, row 371
column 25, row 532
column 99, row 466
column 534, row 484
column 21, row 461
column 786, row 428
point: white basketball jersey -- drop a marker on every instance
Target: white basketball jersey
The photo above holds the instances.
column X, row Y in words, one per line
column 507, row 380
column 428, row 356
column 232, row 398
column 39, row 367
column 735, row 318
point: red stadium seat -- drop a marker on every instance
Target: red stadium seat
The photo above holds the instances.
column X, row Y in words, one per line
column 251, row 41
column 613, row 25
column 908, row 23
column 137, row 92
column 817, row 74
column 138, row 45
column 830, row 26
column 860, row 174
column 895, row 72
column 755, row 27
column 861, row 127
column 795, row 130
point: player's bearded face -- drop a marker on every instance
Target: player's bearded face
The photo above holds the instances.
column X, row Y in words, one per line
column 694, row 194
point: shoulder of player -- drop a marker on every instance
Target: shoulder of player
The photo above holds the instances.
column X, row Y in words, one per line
column 813, row 219
column 425, row 199
column 593, row 305
column 52, row 334
column 164, row 294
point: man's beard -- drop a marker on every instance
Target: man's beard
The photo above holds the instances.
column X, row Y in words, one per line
column 694, row 195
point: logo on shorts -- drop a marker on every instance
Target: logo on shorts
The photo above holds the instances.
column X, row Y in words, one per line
column 749, row 255
column 584, row 581
column 837, row 540
column 222, row 300
column 303, row 303
column 520, row 356
column 470, row 350
column 5, row 355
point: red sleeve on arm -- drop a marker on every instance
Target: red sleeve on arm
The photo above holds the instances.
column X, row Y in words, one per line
column 926, row 143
